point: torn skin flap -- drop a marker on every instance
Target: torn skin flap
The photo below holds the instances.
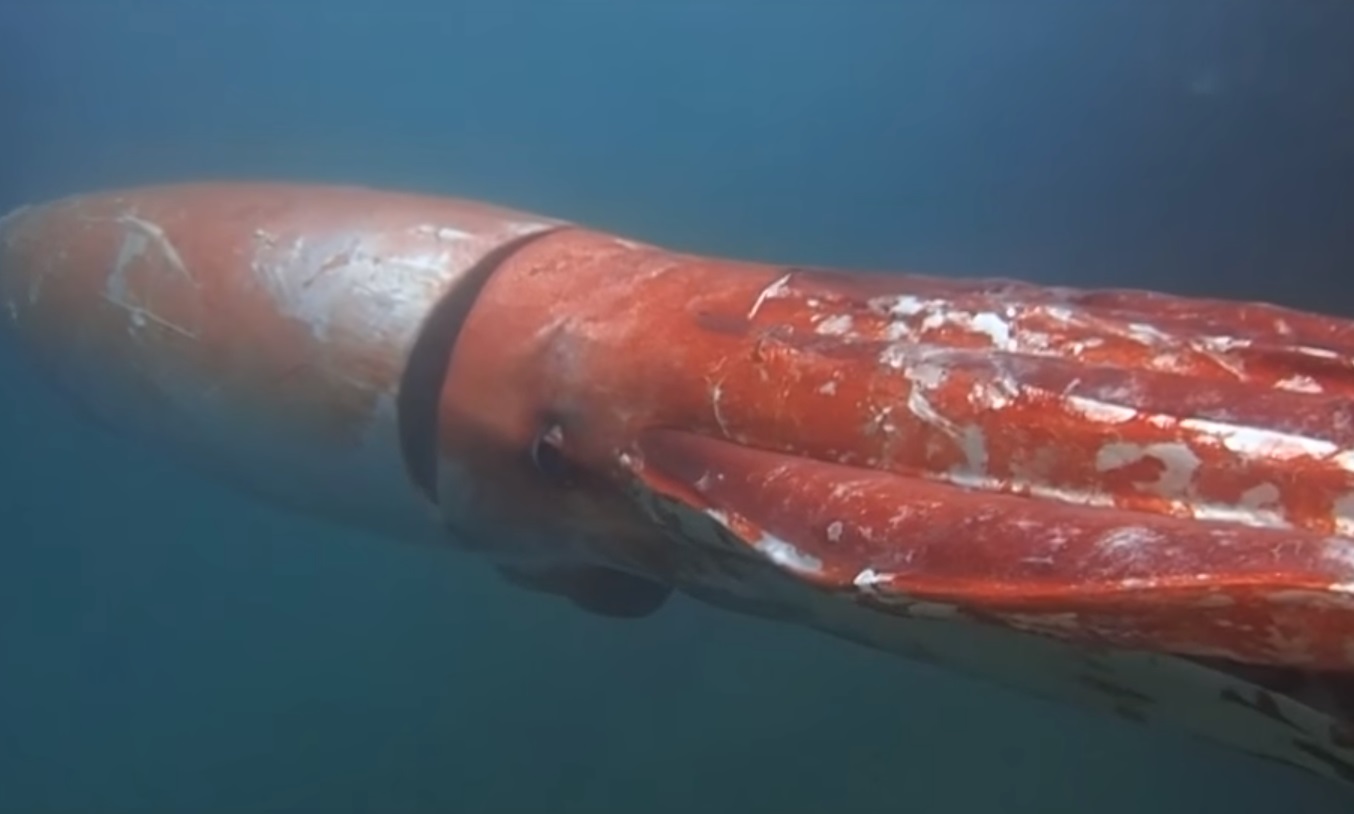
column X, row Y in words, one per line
column 1099, row 575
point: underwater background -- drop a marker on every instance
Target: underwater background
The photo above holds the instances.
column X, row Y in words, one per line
column 168, row 646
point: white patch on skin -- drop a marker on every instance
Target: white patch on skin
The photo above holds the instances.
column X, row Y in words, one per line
column 1299, row 384
column 987, row 323
column 1040, row 341
column 1223, row 344
column 1258, row 506
column 927, row 375
column 881, row 421
column 1239, row 515
column 869, row 577
column 442, row 232
column 1125, row 547
column 1259, row 443
column 1135, row 584
column 1179, row 463
column 838, row 325
column 991, row 395
column 1344, row 514
column 1263, row 496
column 785, row 554
column 716, row 395
column 996, row 328
column 869, row 581
column 828, row 388
column 897, row 331
column 344, row 280
column 923, row 409
column 116, row 288
column 1317, row 353
column 894, row 356
column 904, row 306
column 974, row 443
column 1340, row 552
column 834, row 531
column 940, row 313
column 1101, row 411
column 1146, row 334
column 777, row 288
column 1127, row 538
column 1061, row 314
column 161, row 241
column 780, row 552
column 985, row 483
column 136, row 241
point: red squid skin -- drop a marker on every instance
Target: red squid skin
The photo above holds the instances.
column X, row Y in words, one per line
column 1116, row 471
column 721, row 362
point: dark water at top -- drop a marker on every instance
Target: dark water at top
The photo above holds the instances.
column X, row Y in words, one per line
column 167, row 647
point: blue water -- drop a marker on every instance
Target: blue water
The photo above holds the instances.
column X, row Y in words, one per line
column 166, row 646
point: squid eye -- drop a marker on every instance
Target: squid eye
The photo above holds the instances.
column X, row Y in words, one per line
column 547, row 453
